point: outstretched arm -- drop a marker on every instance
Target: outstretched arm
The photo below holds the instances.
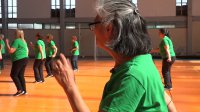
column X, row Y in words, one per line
column 65, row 77
column 155, row 50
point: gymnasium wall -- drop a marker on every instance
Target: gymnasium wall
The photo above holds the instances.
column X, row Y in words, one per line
column 155, row 8
column 85, row 8
column 33, row 8
column 196, row 38
column 195, row 7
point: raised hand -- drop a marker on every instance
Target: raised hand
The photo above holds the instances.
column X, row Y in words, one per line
column 7, row 41
column 31, row 44
column 63, row 72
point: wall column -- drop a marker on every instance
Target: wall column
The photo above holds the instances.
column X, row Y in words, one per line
column 62, row 26
column 4, row 4
column 189, row 29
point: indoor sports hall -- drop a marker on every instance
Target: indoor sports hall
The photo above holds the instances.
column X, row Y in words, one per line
column 66, row 19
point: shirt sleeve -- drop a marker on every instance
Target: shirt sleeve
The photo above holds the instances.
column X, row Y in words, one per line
column 76, row 44
column 166, row 43
column 126, row 98
column 15, row 44
column 52, row 43
column 38, row 43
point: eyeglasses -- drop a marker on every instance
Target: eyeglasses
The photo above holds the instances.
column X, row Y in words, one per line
column 92, row 25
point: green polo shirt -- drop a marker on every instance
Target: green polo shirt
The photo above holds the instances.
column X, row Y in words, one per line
column 3, row 50
column 76, row 45
column 135, row 86
column 50, row 50
column 166, row 41
column 21, row 49
column 38, row 55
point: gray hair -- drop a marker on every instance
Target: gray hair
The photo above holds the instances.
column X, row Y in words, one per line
column 2, row 36
column 107, row 9
column 130, row 35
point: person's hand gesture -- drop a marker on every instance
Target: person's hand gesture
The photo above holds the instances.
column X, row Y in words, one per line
column 31, row 44
column 54, row 55
column 63, row 73
column 7, row 41
column 169, row 59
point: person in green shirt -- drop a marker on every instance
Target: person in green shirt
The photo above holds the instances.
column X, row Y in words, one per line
column 135, row 84
column 75, row 53
column 168, row 55
column 19, row 57
column 3, row 51
column 51, row 53
column 40, row 56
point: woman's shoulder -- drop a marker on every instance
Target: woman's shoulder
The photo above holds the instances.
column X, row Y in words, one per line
column 17, row 40
column 40, row 41
column 52, row 42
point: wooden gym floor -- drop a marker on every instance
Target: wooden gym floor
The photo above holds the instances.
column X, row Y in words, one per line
column 49, row 96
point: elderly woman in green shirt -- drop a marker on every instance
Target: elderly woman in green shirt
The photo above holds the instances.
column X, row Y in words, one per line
column 40, row 56
column 19, row 57
column 168, row 55
column 2, row 50
column 75, row 53
column 51, row 51
column 135, row 84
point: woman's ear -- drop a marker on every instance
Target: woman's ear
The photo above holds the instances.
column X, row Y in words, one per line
column 109, row 30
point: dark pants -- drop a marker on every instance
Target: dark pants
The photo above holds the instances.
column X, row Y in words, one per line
column 38, row 70
column 17, row 73
column 48, row 65
column 1, row 62
column 74, row 61
column 166, row 72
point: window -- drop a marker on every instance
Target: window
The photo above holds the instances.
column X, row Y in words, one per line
column 55, row 8
column 37, row 26
column 181, row 2
column 51, row 26
column 55, row 4
column 30, row 26
column 12, row 8
column 165, row 26
column 181, row 7
column 135, row 2
column 70, row 26
column 70, row 8
column 161, row 26
column 47, row 26
column 70, row 4
column 25, row 26
column 0, row 10
column 168, row 24
column 12, row 25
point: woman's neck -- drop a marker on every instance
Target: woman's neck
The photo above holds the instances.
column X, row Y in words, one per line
column 119, row 59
